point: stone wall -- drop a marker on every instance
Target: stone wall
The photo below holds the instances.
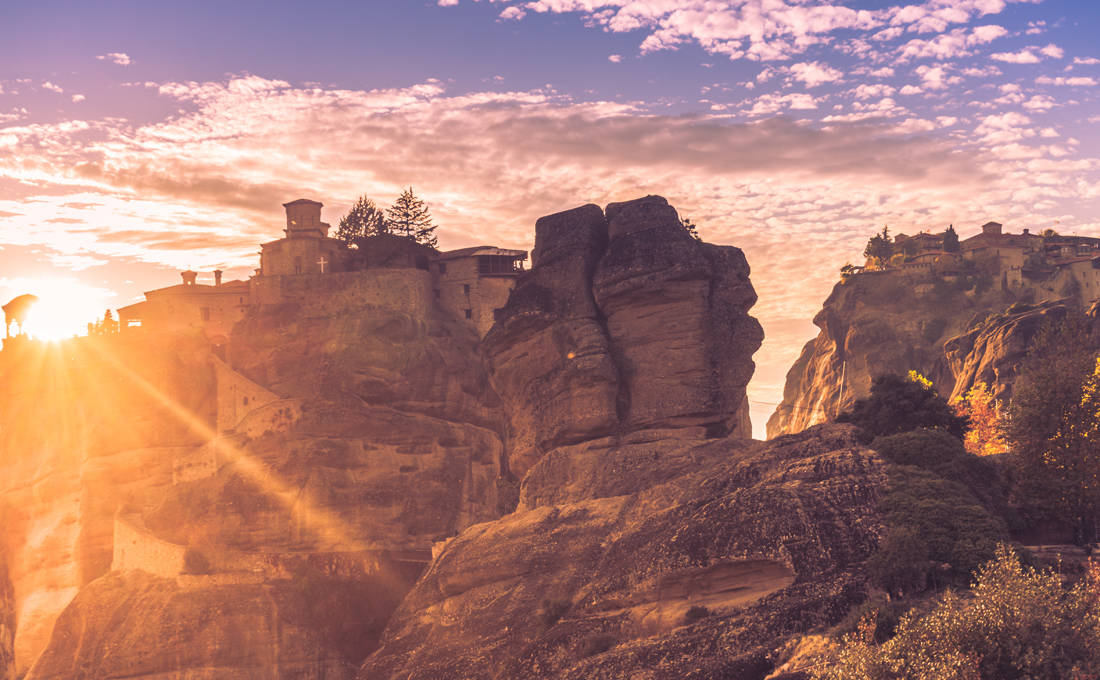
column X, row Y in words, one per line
column 406, row 290
column 237, row 396
column 137, row 548
column 469, row 296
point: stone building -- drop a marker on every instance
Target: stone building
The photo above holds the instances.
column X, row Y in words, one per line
column 189, row 306
column 474, row 283
column 306, row 248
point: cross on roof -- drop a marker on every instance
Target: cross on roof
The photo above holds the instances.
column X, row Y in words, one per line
column 322, row 261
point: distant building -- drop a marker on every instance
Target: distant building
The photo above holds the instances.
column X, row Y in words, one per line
column 189, row 306
column 474, row 283
column 306, row 248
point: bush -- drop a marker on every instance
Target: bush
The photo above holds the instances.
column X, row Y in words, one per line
column 939, row 533
column 898, row 404
column 878, row 615
column 695, row 613
column 1017, row 623
column 943, row 454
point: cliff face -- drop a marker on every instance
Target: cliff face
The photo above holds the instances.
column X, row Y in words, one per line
column 618, row 539
column 651, row 539
column 88, row 427
column 879, row 323
column 624, row 323
column 298, row 535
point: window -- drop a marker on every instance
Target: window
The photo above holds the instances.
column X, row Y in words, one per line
column 442, row 267
column 297, row 265
column 466, row 288
column 469, row 313
column 496, row 264
column 205, row 311
column 245, row 401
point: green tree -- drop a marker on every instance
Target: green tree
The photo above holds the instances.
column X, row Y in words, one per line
column 950, row 240
column 880, row 247
column 898, row 404
column 409, row 217
column 1016, row 624
column 1053, row 425
column 362, row 221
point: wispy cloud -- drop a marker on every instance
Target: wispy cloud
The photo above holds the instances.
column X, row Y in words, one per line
column 123, row 59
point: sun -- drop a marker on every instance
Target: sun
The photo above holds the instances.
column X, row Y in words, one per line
column 64, row 307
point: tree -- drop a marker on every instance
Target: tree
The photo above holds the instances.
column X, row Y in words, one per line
column 691, row 228
column 898, row 404
column 980, row 408
column 362, row 221
column 1053, row 424
column 950, row 240
column 880, row 247
column 409, row 217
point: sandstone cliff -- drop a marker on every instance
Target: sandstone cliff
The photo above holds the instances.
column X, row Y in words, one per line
column 648, row 556
column 624, row 323
column 878, row 323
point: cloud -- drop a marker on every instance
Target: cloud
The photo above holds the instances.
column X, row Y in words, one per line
column 77, row 98
column 957, row 43
column 202, row 186
column 1086, row 61
column 1021, row 57
column 1052, row 51
column 815, row 73
column 615, row 58
column 1076, row 81
column 52, row 87
column 123, row 59
column 776, row 29
column 447, row 3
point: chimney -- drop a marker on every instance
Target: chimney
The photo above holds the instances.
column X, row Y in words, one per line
column 189, row 277
column 217, row 277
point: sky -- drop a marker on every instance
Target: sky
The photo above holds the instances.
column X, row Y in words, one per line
column 138, row 139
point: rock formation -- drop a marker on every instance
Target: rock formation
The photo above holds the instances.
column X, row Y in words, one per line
column 646, row 555
column 301, row 536
column 624, row 323
column 878, row 323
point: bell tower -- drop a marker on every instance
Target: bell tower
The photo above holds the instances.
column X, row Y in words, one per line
column 303, row 219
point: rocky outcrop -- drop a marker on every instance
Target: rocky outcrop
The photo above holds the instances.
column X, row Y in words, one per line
column 877, row 323
column 991, row 352
column 135, row 625
column 648, row 556
column 89, row 426
column 624, row 323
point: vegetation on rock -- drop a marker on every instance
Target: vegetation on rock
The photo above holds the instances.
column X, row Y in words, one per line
column 898, row 404
column 1016, row 623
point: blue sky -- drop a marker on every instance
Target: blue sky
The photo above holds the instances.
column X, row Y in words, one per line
column 139, row 138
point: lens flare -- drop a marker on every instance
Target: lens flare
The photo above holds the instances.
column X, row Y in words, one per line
column 64, row 307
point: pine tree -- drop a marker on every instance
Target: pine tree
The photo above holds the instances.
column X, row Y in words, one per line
column 362, row 221
column 950, row 240
column 409, row 217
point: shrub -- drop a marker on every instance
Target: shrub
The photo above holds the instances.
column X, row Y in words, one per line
column 1016, row 623
column 695, row 613
column 938, row 534
column 939, row 452
column 878, row 615
column 898, row 404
